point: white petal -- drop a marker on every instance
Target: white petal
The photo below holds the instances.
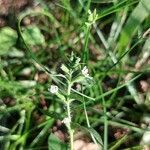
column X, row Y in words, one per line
column 53, row 89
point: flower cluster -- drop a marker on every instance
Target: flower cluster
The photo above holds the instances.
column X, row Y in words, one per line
column 81, row 77
column 92, row 17
column 73, row 74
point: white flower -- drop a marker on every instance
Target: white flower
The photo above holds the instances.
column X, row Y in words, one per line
column 66, row 121
column 85, row 71
column 78, row 60
column 53, row 89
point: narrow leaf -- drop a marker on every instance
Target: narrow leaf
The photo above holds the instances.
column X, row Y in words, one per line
column 54, row 143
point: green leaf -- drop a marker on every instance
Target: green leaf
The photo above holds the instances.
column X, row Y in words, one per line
column 62, row 98
column 54, row 143
column 64, row 68
column 15, row 53
column 33, row 36
column 101, row 1
column 52, row 114
column 115, row 8
column 138, row 15
column 96, row 135
column 91, row 131
column 119, row 142
column 8, row 39
column 28, row 83
column 79, row 79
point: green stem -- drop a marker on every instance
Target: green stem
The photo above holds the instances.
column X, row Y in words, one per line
column 105, row 120
column 69, row 126
column 105, row 126
column 70, row 130
column 20, row 34
column 85, row 55
column 88, row 124
column 71, row 139
column 68, row 111
column 88, row 6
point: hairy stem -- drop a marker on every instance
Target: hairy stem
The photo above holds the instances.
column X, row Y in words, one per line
column 70, row 130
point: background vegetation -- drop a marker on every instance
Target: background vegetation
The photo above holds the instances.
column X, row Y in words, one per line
column 37, row 36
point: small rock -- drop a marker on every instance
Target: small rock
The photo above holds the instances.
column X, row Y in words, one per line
column 60, row 135
column 146, row 138
column 92, row 146
column 79, row 144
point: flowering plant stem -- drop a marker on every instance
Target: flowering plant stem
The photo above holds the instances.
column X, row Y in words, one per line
column 70, row 130
column 72, row 75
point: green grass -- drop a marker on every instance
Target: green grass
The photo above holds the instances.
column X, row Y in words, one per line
column 116, row 50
